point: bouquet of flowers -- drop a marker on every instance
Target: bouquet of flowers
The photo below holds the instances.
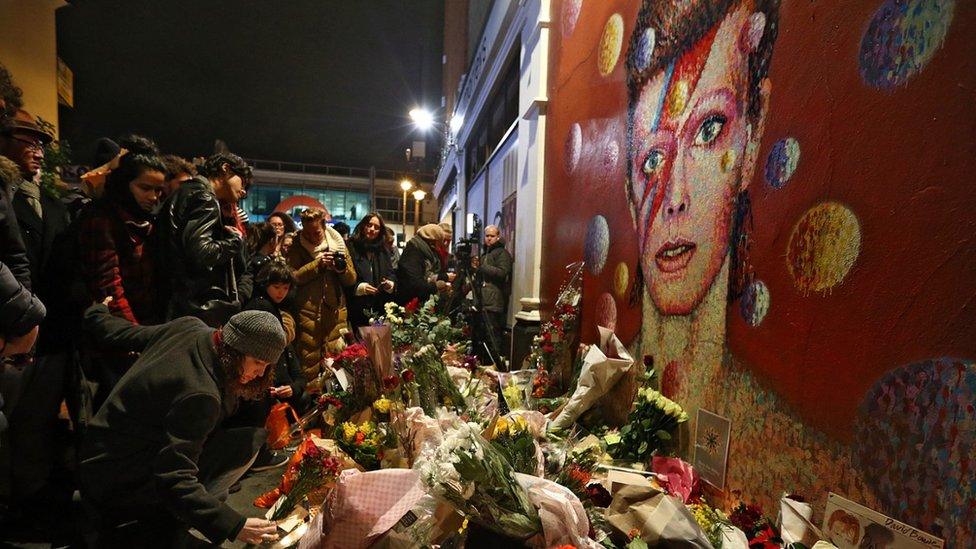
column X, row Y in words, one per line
column 470, row 473
column 438, row 387
column 414, row 325
column 553, row 348
column 363, row 442
column 315, row 470
column 711, row 520
column 649, row 429
column 364, row 385
column 513, row 439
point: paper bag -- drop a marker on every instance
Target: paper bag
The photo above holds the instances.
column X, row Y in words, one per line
column 379, row 345
column 662, row 520
column 603, row 366
column 564, row 520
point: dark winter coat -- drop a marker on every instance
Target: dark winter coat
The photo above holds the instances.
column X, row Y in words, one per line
column 39, row 236
column 494, row 276
column 373, row 264
column 13, row 254
column 203, row 264
column 20, row 310
column 141, row 448
column 417, row 271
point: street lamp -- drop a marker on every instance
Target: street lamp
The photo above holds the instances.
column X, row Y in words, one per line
column 418, row 195
column 406, row 185
column 422, row 118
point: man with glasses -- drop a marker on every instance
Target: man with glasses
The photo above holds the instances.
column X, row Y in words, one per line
column 34, row 436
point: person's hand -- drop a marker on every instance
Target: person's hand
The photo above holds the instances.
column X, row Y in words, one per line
column 327, row 261
column 19, row 345
column 451, row 277
column 443, row 286
column 283, row 391
column 387, row 286
column 475, row 262
column 257, row 531
column 234, row 231
column 370, row 289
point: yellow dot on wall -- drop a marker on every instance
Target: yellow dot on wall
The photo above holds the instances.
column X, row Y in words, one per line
column 621, row 279
column 678, row 98
column 823, row 247
column 728, row 160
column 610, row 44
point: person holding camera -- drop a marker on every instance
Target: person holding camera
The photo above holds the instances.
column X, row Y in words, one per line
column 374, row 270
column 323, row 268
column 492, row 273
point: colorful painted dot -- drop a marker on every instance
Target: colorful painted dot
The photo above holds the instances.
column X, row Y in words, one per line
column 782, row 162
column 678, row 98
column 597, row 244
column 645, row 50
column 823, row 247
column 621, row 280
column 570, row 15
column 574, row 148
column 728, row 160
column 902, row 37
column 610, row 44
column 915, row 430
column 754, row 303
column 606, row 311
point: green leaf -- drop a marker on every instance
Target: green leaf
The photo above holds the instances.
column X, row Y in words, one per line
column 663, row 435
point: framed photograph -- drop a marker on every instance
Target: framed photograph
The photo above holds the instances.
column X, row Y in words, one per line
column 849, row 525
column 712, row 447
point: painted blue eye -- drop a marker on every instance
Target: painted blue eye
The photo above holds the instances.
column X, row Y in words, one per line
column 653, row 161
column 710, row 129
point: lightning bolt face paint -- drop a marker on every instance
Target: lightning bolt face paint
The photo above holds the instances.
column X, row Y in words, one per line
column 689, row 129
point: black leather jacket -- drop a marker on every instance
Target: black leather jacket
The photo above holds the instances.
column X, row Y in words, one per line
column 204, row 265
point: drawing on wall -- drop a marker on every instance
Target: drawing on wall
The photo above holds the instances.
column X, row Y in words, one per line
column 851, row 526
column 755, row 217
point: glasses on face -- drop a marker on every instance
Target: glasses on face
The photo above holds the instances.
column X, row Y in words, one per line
column 30, row 143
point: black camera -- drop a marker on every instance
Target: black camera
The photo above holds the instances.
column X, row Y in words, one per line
column 339, row 260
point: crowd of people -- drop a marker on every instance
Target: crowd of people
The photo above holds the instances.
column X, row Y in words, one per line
column 147, row 328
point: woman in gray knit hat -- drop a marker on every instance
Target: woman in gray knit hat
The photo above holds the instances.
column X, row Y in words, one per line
column 154, row 460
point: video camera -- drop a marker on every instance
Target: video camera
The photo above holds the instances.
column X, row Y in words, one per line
column 463, row 247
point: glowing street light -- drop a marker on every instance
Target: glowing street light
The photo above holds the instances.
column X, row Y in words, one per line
column 422, row 118
column 418, row 195
column 405, row 185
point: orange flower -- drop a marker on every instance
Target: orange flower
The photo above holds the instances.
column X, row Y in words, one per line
column 360, row 437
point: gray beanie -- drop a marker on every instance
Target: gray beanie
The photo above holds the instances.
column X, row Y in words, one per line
column 256, row 334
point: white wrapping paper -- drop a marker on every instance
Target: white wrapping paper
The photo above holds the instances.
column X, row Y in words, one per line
column 603, row 366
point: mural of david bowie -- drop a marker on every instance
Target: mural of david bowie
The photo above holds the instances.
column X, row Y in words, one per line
column 698, row 98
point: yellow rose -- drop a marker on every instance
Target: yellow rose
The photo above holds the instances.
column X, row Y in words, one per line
column 348, row 431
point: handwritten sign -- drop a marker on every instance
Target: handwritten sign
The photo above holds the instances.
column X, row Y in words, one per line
column 712, row 447
column 849, row 525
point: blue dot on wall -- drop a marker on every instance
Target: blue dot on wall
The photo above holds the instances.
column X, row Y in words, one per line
column 754, row 303
column 902, row 37
column 597, row 244
column 782, row 162
column 645, row 49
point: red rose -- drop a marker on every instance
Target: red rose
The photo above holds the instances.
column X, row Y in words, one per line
column 408, row 376
column 412, row 305
column 390, row 383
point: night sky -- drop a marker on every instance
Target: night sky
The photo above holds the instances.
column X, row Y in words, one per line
column 294, row 80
